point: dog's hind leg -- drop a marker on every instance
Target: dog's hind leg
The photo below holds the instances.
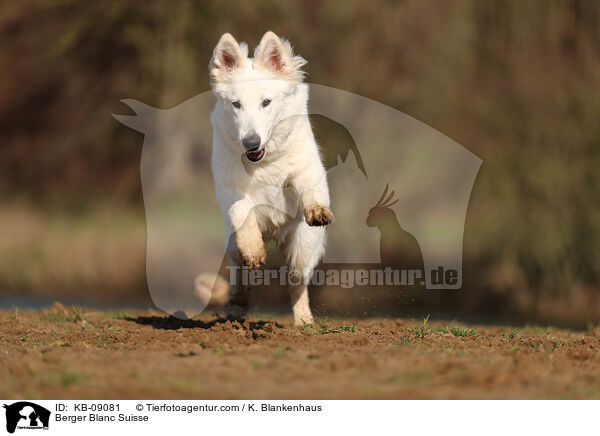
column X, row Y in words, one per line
column 238, row 289
column 303, row 247
column 244, row 248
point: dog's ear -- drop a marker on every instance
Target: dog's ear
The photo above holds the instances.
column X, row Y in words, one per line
column 277, row 55
column 227, row 56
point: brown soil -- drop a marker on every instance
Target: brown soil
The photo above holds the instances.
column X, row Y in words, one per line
column 71, row 354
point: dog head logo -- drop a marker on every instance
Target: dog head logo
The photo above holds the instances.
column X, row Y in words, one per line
column 26, row 415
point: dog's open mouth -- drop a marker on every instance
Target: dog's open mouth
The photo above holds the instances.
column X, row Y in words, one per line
column 255, row 155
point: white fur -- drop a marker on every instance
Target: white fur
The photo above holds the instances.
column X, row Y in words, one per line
column 269, row 198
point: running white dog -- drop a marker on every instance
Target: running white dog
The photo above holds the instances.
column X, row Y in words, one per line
column 269, row 178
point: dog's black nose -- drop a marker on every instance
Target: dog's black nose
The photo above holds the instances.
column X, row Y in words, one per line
column 251, row 141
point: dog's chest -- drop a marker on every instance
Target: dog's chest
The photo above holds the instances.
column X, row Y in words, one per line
column 275, row 204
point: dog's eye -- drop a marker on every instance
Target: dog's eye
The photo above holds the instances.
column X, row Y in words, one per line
column 236, row 104
column 266, row 102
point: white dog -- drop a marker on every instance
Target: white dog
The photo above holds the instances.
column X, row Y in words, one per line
column 269, row 178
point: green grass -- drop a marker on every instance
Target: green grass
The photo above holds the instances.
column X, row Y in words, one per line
column 423, row 330
column 119, row 315
column 459, row 331
column 509, row 335
column 25, row 340
column 67, row 378
column 106, row 341
column 533, row 344
column 74, row 314
column 325, row 328
column 464, row 332
column 405, row 340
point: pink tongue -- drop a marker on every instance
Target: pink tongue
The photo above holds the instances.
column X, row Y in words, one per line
column 255, row 154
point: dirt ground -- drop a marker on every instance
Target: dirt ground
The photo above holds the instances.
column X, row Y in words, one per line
column 72, row 353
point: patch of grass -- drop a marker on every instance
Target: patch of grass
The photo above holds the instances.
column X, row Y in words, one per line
column 107, row 341
column 515, row 348
column 67, row 378
column 326, row 328
column 70, row 378
column 405, row 340
column 119, row 315
column 458, row 331
column 464, row 332
column 421, row 332
column 25, row 340
column 256, row 364
column 73, row 315
column 78, row 314
column 52, row 317
column 533, row 344
column 509, row 335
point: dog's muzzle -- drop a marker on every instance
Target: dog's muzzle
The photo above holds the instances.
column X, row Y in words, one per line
column 255, row 155
column 251, row 143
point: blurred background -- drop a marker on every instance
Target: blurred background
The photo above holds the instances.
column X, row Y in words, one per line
column 517, row 83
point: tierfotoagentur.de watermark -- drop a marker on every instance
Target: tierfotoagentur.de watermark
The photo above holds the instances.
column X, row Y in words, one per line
column 344, row 278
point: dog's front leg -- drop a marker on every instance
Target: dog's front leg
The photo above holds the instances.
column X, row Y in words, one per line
column 314, row 198
column 248, row 237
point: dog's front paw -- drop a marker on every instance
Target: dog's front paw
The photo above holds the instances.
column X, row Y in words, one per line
column 254, row 260
column 318, row 215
